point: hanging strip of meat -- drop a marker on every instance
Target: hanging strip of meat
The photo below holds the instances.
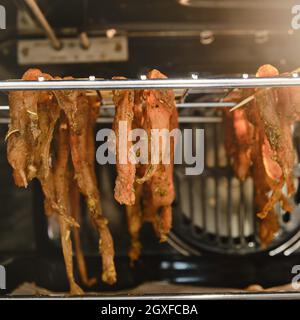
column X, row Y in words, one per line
column 23, row 131
column 239, row 136
column 124, row 104
column 31, row 97
column 76, row 106
column 30, row 156
column 74, row 201
column 18, row 150
column 94, row 103
column 62, row 177
column 159, row 113
column 275, row 138
column 268, row 121
column 55, row 180
column 134, row 212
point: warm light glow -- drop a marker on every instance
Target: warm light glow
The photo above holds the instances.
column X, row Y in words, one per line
column 207, row 37
column 184, row 2
column 110, row 33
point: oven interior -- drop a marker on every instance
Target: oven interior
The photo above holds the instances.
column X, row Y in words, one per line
column 214, row 240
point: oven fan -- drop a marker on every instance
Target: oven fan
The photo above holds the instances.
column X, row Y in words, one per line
column 215, row 212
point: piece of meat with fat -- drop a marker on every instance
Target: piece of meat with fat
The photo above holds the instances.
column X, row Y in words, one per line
column 275, row 139
column 74, row 202
column 134, row 213
column 159, row 113
column 27, row 151
column 31, row 98
column 62, row 176
column 124, row 187
column 270, row 145
column 94, row 103
column 18, row 150
column 239, row 136
column 78, row 113
column 35, row 161
column 158, row 109
column 134, row 222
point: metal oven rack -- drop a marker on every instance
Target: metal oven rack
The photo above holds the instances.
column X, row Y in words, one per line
column 94, row 84
column 185, row 84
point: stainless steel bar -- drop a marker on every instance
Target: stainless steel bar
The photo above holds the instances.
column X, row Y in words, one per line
column 229, row 211
column 179, row 105
column 206, row 105
column 241, row 215
column 44, row 23
column 216, row 182
column 181, row 120
column 150, row 84
column 158, row 297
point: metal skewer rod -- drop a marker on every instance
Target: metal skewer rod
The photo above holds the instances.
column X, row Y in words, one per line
column 150, row 84
column 108, row 120
column 179, row 105
column 44, row 23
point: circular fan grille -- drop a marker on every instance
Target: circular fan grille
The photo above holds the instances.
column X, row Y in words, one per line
column 215, row 211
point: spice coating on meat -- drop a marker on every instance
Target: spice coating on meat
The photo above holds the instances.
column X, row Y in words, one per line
column 18, row 150
column 239, row 137
column 160, row 113
column 78, row 112
column 74, row 203
column 31, row 98
column 62, row 176
column 270, row 114
column 124, row 104
column 134, row 213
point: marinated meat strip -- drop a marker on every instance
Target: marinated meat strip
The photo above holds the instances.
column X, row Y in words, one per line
column 18, row 150
column 74, row 202
column 239, row 137
column 159, row 105
column 29, row 153
column 23, row 131
column 66, row 100
column 76, row 106
column 94, row 103
column 268, row 120
column 62, row 176
column 124, row 104
column 134, row 222
column 159, row 113
column 55, row 180
column 275, row 139
column 134, row 212
column 32, row 152
column 268, row 228
column 31, row 97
